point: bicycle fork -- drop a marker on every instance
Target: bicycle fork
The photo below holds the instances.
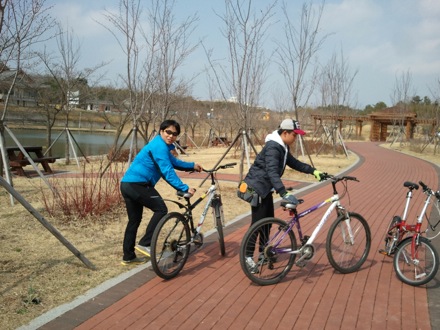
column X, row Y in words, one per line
column 346, row 231
column 413, row 259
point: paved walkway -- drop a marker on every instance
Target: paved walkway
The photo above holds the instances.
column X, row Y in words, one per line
column 212, row 292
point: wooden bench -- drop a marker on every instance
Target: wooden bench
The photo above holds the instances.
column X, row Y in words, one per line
column 17, row 159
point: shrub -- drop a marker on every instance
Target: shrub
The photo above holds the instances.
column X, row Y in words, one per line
column 122, row 155
column 86, row 194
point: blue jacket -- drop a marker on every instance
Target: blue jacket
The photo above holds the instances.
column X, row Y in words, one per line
column 155, row 161
column 267, row 169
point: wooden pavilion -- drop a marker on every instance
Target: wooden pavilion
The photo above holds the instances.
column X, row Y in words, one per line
column 402, row 119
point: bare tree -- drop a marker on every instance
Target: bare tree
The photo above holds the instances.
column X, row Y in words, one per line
column 3, row 4
column 335, row 87
column 153, row 58
column 63, row 65
column 435, row 91
column 403, row 88
column 296, row 52
column 242, row 78
column 23, row 23
column 401, row 97
column 336, row 84
column 127, row 30
column 174, row 47
column 47, row 94
column 436, row 115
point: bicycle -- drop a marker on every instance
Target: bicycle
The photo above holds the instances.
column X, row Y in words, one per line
column 415, row 259
column 273, row 244
column 176, row 232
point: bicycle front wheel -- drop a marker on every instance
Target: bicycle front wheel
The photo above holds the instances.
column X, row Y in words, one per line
column 170, row 245
column 219, row 222
column 348, row 243
column 419, row 269
column 266, row 251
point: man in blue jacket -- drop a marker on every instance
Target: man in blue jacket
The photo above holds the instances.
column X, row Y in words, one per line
column 153, row 162
column 265, row 174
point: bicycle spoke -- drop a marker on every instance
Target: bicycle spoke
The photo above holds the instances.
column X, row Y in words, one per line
column 419, row 269
column 348, row 243
column 171, row 248
column 264, row 254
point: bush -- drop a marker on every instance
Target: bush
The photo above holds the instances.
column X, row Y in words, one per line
column 87, row 194
column 122, row 155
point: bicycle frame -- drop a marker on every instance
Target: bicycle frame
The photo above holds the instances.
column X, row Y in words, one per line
column 212, row 197
column 415, row 259
column 269, row 247
column 211, row 193
column 190, row 206
column 415, row 229
column 175, row 233
column 334, row 205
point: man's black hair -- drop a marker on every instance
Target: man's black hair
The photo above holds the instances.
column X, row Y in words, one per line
column 170, row 122
column 281, row 130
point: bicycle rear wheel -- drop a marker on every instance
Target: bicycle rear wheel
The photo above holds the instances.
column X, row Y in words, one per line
column 219, row 222
column 392, row 236
column 422, row 268
column 348, row 243
column 265, row 255
column 170, row 245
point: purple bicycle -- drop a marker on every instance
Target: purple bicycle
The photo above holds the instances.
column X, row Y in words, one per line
column 269, row 247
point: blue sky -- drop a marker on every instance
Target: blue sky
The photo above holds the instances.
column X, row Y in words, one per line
column 381, row 39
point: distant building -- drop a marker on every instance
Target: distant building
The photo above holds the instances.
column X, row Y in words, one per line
column 100, row 106
column 73, row 98
column 23, row 93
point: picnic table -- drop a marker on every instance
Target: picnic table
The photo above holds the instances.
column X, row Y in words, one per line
column 18, row 160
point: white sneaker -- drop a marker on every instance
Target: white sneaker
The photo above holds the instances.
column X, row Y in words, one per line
column 143, row 249
column 252, row 266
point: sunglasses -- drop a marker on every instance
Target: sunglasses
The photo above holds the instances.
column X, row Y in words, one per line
column 169, row 132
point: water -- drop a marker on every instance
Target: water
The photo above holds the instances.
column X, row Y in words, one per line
column 90, row 143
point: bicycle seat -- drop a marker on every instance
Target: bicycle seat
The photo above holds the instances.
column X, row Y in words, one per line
column 291, row 206
column 411, row 185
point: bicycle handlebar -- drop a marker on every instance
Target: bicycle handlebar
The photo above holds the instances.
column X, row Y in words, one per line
column 428, row 190
column 215, row 169
column 326, row 176
column 187, row 195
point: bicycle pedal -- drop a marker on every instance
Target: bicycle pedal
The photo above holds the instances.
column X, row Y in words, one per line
column 301, row 264
column 385, row 253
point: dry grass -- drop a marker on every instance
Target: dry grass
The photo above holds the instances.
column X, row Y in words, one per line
column 427, row 154
column 38, row 273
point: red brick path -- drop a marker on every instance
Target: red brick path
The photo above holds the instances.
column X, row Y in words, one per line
column 212, row 292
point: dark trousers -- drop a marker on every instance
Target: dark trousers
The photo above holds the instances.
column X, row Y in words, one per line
column 136, row 197
column 263, row 210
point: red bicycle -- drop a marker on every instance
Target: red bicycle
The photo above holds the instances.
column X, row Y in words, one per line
column 416, row 261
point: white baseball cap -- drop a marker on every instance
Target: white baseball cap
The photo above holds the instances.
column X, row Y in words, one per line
column 292, row 125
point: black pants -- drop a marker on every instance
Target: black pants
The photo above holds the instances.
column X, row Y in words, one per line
column 136, row 197
column 263, row 210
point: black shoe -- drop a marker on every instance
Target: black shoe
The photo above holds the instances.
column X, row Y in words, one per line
column 135, row 261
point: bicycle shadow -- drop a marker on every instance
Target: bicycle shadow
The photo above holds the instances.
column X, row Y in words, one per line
column 314, row 270
column 319, row 266
column 208, row 256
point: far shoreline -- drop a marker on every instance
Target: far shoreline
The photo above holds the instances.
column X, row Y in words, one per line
column 60, row 128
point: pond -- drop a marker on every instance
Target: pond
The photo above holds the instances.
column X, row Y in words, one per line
column 90, row 143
